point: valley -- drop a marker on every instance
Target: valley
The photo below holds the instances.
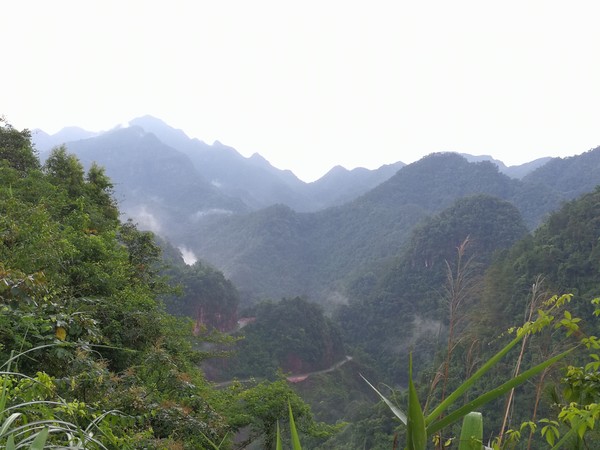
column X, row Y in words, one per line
column 352, row 274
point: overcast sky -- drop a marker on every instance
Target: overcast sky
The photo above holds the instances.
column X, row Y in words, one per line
column 312, row 84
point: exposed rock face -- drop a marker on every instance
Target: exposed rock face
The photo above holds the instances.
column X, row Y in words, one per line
column 215, row 318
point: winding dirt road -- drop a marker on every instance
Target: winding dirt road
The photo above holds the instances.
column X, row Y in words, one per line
column 292, row 378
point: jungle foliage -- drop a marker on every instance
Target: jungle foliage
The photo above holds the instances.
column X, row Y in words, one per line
column 87, row 342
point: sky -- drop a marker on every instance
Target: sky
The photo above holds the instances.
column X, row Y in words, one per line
column 314, row 84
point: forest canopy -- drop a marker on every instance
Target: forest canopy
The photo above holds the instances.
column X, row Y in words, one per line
column 95, row 347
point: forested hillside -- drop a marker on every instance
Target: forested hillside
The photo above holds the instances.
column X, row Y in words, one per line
column 157, row 184
column 571, row 176
column 253, row 181
column 275, row 339
column 454, row 295
column 90, row 357
column 276, row 251
column 246, row 217
column 411, row 290
column 441, row 261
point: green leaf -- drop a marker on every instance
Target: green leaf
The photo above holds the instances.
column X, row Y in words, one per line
column 471, row 433
column 471, row 381
column 560, row 444
column 295, row 439
column 493, row 394
column 40, row 440
column 10, row 443
column 8, row 422
column 397, row 411
column 416, row 434
column 278, row 445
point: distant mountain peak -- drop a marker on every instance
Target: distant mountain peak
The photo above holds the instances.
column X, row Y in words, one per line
column 44, row 141
column 151, row 121
column 257, row 157
column 337, row 169
column 480, row 158
column 173, row 137
column 514, row 171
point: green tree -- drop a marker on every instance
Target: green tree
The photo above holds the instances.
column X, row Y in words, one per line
column 263, row 405
column 64, row 169
column 16, row 149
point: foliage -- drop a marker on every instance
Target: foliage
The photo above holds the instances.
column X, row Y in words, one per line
column 293, row 335
column 33, row 415
column 420, row 426
column 79, row 298
column 16, row 150
column 262, row 406
column 411, row 288
column 205, row 295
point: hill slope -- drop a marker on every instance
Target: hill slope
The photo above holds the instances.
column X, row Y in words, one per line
column 277, row 252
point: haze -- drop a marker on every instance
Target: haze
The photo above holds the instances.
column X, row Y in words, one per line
column 311, row 85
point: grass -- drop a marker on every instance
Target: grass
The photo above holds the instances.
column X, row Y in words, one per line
column 19, row 431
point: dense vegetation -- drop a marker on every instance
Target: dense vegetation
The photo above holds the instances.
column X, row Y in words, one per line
column 78, row 294
column 274, row 339
column 412, row 289
column 197, row 195
column 441, row 269
column 204, row 295
column 278, row 252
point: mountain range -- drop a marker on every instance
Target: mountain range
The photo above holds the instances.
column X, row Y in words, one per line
column 275, row 235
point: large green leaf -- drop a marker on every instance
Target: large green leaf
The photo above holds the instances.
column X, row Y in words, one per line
column 10, row 443
column 295, row 439
column 40, row 440
column 451, row 399
column 471, row 432
column 278, row 445
column 416, row 433
column 397, row 411
column 493, row 394
column 8, row 422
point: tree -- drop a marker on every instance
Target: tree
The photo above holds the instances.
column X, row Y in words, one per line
column 16, row 149
column 64, row 169
column 263, row 405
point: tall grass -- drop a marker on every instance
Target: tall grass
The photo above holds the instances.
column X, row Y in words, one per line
column 421, row 427
column 293, row 433
column 19, row 431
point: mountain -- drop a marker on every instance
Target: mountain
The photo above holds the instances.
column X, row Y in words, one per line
column 411, row 291
column 563, row 251
column 302, row 238
column 259, row 184
column 516, row 171
column 341, row 185
column 44, row 142
column 154, row 183
column 521, row 170
column 253, row 180
column 170, row 190
column 277, row 252
column 570, row 177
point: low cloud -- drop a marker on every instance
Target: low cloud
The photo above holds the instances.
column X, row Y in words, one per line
column 146, row 220
column 188, row 255
column 209, row 212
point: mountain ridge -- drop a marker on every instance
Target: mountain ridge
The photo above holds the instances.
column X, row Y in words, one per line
column 275, row 235
column 177, row 138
